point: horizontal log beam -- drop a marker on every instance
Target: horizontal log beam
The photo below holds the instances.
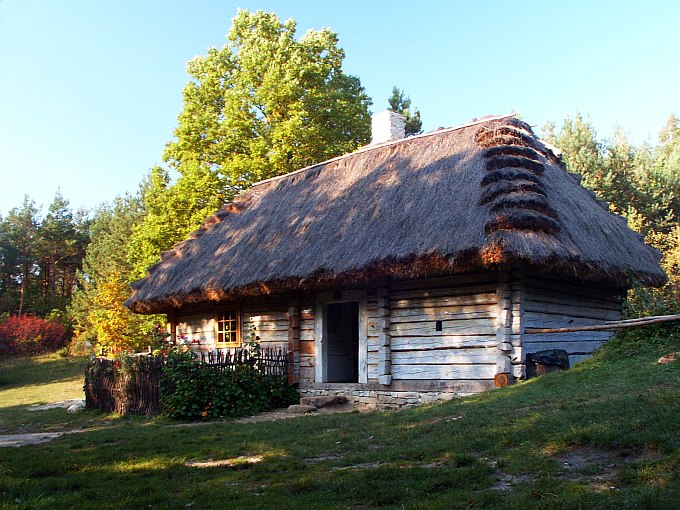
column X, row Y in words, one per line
column 628, row 323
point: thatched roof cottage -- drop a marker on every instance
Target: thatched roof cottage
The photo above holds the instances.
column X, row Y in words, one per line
column 409, row 270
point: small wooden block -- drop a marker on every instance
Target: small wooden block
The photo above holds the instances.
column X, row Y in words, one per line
column 501, row 380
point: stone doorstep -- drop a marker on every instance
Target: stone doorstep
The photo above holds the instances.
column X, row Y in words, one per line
column 375, row 399
column 323, row 401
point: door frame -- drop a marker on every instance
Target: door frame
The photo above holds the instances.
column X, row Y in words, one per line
column 320, row 344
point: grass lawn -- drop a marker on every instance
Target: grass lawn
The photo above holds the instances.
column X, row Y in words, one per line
column 605, row 434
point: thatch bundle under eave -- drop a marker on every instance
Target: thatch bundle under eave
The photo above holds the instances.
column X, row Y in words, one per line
column 481, row 196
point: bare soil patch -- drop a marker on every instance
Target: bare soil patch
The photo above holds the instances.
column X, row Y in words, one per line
column 235, row 463
column 596, row 467
column 282, row 414
column 17, row 440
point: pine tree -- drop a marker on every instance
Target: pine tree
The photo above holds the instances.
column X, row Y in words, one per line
column 401, row 103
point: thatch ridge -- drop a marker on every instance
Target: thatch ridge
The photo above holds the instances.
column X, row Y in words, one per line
column 421, row 206
column 381, row 145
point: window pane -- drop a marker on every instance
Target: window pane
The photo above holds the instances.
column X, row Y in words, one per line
column 227, row 326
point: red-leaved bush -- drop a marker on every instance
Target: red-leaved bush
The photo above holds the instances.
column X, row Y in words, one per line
column 25, row 334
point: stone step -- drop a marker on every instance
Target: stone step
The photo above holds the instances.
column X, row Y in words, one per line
column 323, row 401
column 301, row 409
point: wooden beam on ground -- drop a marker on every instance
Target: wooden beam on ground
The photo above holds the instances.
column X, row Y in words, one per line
column 628, row 323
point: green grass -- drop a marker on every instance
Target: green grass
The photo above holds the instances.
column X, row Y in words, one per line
column 603, row 435
column 41, row 379
column 27, row 381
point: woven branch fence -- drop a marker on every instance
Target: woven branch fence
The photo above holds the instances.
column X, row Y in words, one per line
column 133, row 385
column 267, row 360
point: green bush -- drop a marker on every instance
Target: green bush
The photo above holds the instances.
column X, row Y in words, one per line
column 194, row 390
column 653, row 340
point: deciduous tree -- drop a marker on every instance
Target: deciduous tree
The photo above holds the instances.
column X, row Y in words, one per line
column 97, row 307
column 172, row 211
column 268, row 103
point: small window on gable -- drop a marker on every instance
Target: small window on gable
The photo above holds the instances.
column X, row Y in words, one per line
column 228, row 327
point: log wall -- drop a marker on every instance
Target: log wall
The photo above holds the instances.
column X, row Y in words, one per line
column 270, row 320
column 197, row 326
column 307, row 349
column 433, row 338
column 552, row 303
column 444, row 329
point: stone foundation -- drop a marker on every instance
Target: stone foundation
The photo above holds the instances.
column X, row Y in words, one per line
column 371, row 398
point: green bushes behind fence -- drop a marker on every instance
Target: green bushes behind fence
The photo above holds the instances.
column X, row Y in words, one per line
column 182, row 386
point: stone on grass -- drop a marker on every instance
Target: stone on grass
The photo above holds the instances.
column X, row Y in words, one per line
column 76, row 407
column 668, row 358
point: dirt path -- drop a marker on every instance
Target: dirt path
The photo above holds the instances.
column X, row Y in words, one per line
column 283, row 414
column 17, row 440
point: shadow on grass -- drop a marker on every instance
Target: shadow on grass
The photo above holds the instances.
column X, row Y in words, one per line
column 19, row 419
column 602, row 435
column 34, row 370
column 381, row 460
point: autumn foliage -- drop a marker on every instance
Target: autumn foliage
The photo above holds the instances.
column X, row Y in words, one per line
column 25, row 334
column 116, row 328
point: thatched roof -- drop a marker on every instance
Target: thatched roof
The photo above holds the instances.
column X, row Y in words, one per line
column 486, row 195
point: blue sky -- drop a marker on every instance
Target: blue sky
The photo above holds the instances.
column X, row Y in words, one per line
column 90, row 91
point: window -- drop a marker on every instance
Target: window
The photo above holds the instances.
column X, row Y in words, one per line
column 228, row 327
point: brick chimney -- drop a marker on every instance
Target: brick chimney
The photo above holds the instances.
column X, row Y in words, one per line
column 387, row 126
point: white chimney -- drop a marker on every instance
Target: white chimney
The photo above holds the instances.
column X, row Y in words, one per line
column 387, row 126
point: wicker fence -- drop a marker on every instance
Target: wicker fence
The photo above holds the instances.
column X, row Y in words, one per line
column 132, row 385
column 267, row 361
column 129, row 386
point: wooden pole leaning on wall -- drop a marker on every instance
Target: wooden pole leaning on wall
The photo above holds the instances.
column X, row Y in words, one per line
column 627, row 323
